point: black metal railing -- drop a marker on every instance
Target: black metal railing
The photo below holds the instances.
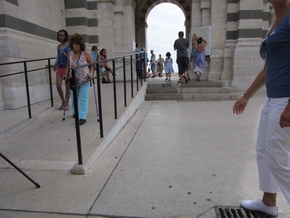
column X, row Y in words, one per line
column 25, row 71
column 122, row 61
column 99, row 97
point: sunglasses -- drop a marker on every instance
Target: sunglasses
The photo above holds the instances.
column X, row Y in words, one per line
column 263, row 49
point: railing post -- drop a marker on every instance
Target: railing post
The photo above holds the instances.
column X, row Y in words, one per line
column 142, row 62
column 27, row 89
column 115, row 90
column 75, row 105
column 50, row 83
column 100, row 102
column 132, row 91
column 145, row 66
column 141, row 69
column 124, row 78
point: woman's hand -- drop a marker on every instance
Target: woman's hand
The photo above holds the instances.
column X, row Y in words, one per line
column 240, row 105
column 90, row 76
column 64, row 77
column 64, row 54
column 285, row 117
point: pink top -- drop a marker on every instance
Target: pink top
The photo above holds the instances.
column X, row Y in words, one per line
column 81, row 73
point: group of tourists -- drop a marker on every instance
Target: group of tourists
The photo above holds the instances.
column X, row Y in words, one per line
column 273, row 139
column 157, row 66
column 185, row 56
column 71, row 53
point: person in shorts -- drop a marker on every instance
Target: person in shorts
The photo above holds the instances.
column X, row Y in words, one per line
column 181, row 45
column 60, row 67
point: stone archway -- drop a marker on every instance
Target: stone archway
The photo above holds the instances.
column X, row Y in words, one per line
column 143, row 9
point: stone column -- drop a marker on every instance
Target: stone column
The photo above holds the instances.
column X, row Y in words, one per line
column 124, row 32
column 205, row 11
column 249, row 26
column 218, row 37
column 143, row 35
column 106, row 26
column 28, row 32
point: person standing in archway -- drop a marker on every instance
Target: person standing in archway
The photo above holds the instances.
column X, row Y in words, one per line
column 138, row 61
column 160, row 65
column 181, row 45
column 153, row 64
column 199, row 59
column 168, row 66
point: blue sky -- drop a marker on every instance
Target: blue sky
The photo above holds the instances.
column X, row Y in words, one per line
column 164, row 22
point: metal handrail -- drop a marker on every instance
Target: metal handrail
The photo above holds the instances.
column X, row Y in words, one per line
column 25, row 72
column 122, row 60
column 98, row 76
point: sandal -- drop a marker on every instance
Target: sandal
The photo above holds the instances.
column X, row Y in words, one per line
column 67, row 108
column 60, row 107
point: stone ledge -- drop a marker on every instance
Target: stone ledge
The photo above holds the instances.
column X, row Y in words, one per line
column 94, row 152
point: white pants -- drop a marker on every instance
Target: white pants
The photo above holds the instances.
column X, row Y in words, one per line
column 273, row 149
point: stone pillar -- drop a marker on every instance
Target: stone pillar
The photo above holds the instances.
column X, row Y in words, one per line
column 124, row 27
column 143, row 35
column 196, row 15
column 205, row 11
column 218, row 37
column 249, row 31
column 124, row 33
column 28, row 32
column 187, row 25
column 106, row 26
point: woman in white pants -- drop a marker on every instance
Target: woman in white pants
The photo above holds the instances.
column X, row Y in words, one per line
column 273, row 140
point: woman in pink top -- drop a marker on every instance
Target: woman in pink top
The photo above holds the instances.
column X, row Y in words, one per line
column 77, row 57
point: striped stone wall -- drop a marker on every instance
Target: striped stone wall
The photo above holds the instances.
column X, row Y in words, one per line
column 246, row 19
column 28, row 30
column 247, row 24
column 82, row 17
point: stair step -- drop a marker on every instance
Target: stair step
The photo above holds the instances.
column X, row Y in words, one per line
column 192, row 84
column 213, row 90
column 195, row 97
column 200, row 90
column 164, row 90
column 204, row 90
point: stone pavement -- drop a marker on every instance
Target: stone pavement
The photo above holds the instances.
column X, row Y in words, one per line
column 172, row 159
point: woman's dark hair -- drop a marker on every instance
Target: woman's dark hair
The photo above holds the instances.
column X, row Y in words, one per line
column 199, row 40
column 77, row 39
column 168, row 54
column 65, row 35
column 101, row 52
column 94, row 48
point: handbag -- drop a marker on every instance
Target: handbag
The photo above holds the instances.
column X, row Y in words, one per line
column 72, row 83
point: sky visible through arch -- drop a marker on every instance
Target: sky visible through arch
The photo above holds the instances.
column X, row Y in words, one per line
column 164, row 22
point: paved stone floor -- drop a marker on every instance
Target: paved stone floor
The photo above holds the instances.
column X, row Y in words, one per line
column 172, row 159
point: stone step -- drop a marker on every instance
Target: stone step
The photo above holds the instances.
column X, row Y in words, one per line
column 192, row 84
column 193, row 97
column 189, row 90
column 204, row 90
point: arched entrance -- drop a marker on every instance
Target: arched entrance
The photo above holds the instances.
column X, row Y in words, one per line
column 142, row 10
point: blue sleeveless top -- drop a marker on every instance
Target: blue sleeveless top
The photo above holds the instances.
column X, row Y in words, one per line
column 278, row 60
column 61, row 59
